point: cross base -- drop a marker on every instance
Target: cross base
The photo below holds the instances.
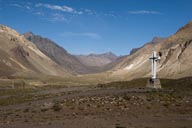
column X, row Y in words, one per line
column 154, row 83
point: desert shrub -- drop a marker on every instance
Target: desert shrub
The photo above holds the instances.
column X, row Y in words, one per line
column 57, row 107
column 118, row 125
column 19, row 84
column 44, row 109
column 26, row 110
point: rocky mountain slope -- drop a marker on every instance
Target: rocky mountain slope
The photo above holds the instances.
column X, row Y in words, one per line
column 19, row 56
column 57, row 53
column 176, row 59
column 73, row 63
column 155, row 40
column 98, row 60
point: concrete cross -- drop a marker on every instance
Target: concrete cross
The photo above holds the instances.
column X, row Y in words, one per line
column 154, row 58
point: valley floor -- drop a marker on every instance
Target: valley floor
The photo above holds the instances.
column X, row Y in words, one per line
column 94, row 107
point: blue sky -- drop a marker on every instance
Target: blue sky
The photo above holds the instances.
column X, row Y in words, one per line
column 97, row 26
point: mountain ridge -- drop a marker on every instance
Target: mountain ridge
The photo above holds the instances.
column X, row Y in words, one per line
column 76, row 64
column 97, row 59
column 20, row 56
column 155, row 40
column 175, row 62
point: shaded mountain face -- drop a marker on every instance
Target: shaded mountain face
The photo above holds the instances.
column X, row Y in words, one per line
column 74, row 64
column 57, row 53
column 97, row 60
column 176, row 59
column 19, row 56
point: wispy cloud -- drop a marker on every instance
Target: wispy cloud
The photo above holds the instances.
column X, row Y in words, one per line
column 85, row 34
column 63, row 8
column 96, row 13
column 51, row 16
column 55, row 13
column 90, row 12
column 110, row 15
column 39, row 13
column 27, row 7
column 58, row 17
column 37, row 8
column 22, row 6
column 16, row 5
column 145, row 12
column 69, row 9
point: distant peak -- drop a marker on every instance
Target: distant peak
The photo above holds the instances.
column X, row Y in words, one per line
column 9, row 30
column 154, row 38
column 109, row 53
column 187, row 27
column 101, row 54
column 28, row 33
column 157, row 39
column 190, row 22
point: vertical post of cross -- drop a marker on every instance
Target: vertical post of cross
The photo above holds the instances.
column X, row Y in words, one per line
column 154, row 60
column 154, row 82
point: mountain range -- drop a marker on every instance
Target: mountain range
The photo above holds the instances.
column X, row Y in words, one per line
column 76, row 64
column 33, row 55
column 97, row 60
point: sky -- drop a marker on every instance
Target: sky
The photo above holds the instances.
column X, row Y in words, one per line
column 97, row 26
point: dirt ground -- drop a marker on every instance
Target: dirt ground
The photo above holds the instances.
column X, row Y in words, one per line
column 94, row 107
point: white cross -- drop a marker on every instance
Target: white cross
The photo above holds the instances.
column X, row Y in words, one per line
column 154, row 60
